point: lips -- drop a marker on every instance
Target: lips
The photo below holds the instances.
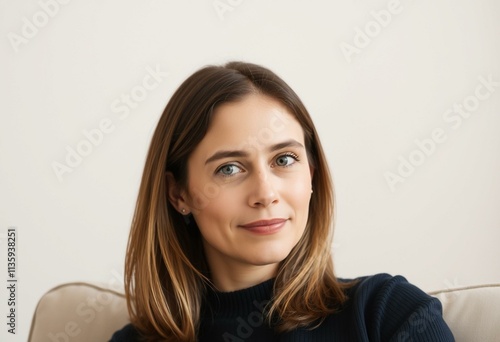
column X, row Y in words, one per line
column 265, row 226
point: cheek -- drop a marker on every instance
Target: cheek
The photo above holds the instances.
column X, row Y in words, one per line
column 300, row 193
column 300, row 197
column 216, row 220
column 213, row 207
column 203, row 197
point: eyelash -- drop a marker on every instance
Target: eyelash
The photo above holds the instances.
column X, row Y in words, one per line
column 287, row 154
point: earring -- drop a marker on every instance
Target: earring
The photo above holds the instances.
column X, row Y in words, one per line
column 312, row 191
column 186, row 217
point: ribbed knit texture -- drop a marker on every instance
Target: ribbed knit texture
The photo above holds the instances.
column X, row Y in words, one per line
column 380, row 308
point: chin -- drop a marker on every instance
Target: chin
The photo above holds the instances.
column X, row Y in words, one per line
column 271, row 257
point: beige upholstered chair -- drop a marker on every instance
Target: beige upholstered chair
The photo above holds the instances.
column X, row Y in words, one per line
column 85, row 312
column 78, row 312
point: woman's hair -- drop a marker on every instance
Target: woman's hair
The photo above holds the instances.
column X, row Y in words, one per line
column 166, row 273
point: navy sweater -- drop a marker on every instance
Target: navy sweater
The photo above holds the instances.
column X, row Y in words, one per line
column 380, row 308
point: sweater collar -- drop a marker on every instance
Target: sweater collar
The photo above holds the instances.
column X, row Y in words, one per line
column 229, row 304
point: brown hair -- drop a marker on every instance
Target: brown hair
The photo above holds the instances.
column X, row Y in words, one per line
column 165, row 270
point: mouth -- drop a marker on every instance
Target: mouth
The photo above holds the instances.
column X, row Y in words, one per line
column 265, row 226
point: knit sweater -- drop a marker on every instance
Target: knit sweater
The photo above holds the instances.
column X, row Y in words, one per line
column 379, row 308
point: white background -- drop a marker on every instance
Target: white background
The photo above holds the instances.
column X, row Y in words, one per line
column 439, row 228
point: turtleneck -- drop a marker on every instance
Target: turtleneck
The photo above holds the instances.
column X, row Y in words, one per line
column 237, row 315
column 235, row 302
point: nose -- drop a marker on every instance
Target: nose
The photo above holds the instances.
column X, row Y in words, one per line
column 262, row 190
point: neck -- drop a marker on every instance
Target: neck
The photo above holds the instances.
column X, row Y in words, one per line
column 229, row 275
column 242, row 279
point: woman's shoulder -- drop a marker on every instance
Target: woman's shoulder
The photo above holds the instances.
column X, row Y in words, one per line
column 384, row 290
column 375, row 282
column 380, row 284
column 395, row 308
column 126, row 334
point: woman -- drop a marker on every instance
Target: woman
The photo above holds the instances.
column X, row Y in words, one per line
column 232, row 231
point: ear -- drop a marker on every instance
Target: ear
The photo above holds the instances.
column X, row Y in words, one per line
column 176, row 196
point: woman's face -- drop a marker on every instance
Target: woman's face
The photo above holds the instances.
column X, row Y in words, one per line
column 249, row 185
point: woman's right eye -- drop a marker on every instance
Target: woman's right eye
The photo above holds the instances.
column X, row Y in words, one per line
column 228, row 170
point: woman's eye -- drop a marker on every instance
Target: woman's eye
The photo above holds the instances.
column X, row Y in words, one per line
column 286, row 159
column 229, row 170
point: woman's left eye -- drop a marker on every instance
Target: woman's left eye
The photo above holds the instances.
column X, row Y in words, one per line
column 287, row 159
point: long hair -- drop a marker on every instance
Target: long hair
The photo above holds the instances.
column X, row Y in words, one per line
column 166, row 273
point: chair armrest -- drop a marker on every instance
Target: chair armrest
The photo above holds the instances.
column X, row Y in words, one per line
column 78, row 312
column 472, row 312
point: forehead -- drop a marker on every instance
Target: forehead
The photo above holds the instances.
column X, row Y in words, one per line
column 254, row 122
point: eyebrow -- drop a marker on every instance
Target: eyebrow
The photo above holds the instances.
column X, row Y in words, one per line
column 241, row 154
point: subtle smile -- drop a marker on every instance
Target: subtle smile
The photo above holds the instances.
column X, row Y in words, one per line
column 265, row 226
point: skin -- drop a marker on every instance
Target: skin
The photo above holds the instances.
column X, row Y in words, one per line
column 262, row 181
